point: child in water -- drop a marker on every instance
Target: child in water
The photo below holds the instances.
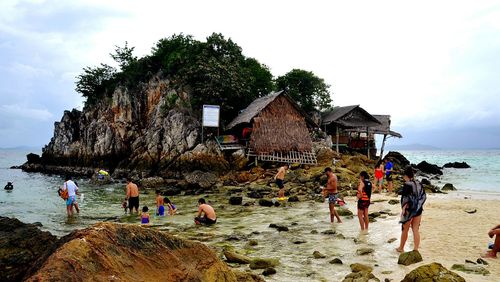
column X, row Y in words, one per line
column 160, row 209
column 145, row 215
column 171, row 207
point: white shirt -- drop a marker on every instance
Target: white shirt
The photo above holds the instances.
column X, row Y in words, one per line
column 71, row 186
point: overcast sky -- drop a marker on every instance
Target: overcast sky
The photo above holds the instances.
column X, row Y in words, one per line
column 434, row 66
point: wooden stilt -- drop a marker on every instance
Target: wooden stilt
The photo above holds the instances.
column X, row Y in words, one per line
column 337, row 138
column 383, row 145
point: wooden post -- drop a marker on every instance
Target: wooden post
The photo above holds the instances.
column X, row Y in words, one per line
column 367, row 143
column 337, row 137
column 382, row 148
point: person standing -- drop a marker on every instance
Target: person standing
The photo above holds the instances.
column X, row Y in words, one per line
column 330, row 191
column 412, row 201
column 72, row 189
column 364, row 194
column 279, row 178
column 206, row 213
column 379, row 175
column 388, row 174
column 132, row 195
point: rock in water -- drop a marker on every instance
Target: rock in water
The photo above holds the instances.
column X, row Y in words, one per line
column 364, row 251
column 457, row 165
column 358, row 267
column 393, row 202
column 236, row 258
column 235, row 200
column 292, row 199
column 448, row 187
column 344, row 212
column 426, row 167
column 336, row 261
column 18, row 249
column 318, row 255
column 410, row 258
column 470, row 268
column 263, row 263
column 432, row 272
column 266, row 203
column 269, row 271
column 108, row 251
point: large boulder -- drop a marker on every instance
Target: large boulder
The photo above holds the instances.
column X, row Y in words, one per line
column 110, row 251
column 20, row 246
column 409, row 258
column 432, row 272
column 33, row 158
column 426, row 167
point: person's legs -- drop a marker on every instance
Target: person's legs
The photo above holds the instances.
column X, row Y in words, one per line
column 415, row 227
column 69, row 206
column 332, row 211
column 361, row 219
column 389, row 186
column 281, row 193
column 496, row 245
column 404, row 236
column 367, row 220
column 336, row 213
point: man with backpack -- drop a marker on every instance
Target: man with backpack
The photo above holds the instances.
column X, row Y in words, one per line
column 364, row 194
column 412, row 201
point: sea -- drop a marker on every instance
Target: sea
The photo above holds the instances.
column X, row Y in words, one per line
column 34, row 197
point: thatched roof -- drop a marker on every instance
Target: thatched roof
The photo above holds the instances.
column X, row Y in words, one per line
column 385, row 127
column 260, row 104
column 350, row 116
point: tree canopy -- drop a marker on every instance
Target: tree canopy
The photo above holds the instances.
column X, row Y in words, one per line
column 308, row 90
column 214, row 72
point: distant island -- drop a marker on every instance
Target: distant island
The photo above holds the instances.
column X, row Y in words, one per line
column 413, row 147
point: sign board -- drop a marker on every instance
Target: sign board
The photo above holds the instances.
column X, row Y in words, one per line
column 211, row 115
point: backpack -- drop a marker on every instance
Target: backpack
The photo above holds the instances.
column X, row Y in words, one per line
column 368, row 188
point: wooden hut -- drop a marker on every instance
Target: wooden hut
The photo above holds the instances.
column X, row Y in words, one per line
column 279, row 130
column 342, row 122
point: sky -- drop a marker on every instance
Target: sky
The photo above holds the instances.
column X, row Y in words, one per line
column 432, row 65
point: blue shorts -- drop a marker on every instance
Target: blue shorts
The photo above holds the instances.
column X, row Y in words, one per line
column 161, row 210
column 332, row 198
column 71, row 200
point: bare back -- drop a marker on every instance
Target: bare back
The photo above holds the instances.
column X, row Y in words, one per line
column 132, row 190
column 208, row 210
column 281, row 173
column 331, row 184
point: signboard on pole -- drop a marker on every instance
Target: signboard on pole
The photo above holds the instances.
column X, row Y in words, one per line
column 211, row 115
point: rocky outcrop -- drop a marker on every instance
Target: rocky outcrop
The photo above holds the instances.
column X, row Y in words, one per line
column 109, row 251
column 18, row 249
column 426, row 167
column 457, row 165
column 139, row 130
column 432, row 272
column 399, row 161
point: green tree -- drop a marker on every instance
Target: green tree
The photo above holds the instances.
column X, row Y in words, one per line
column 93, row 83
column 124, row 56
column 308, row 90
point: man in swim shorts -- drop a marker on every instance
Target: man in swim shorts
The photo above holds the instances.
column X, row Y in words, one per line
column 72, row 189
column 206, row 214
column 279, row 177
column 132, row 195
column 330, row 191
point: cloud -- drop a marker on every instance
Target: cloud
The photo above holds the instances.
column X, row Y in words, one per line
column 18, row 111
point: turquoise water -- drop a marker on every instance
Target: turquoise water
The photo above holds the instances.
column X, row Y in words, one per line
column 483, row 175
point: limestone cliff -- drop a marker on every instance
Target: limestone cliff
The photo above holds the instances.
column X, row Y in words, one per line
column 145, row 130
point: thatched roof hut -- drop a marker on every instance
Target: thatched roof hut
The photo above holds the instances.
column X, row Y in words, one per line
column 279, row 129
column 349, row 117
